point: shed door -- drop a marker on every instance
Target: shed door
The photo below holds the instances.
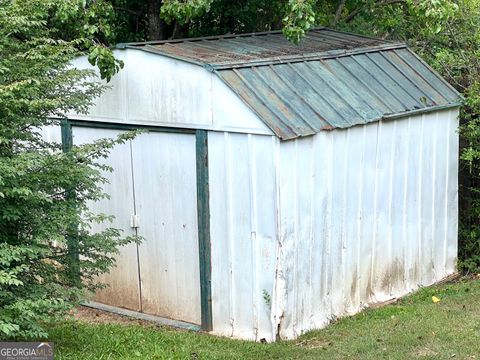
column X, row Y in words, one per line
column 164, row 167
column 154, row 179
column 124, row 288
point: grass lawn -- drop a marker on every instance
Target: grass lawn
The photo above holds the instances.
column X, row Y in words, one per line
column 414, row 327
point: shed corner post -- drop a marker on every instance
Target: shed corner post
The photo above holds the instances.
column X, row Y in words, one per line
column 67, row 140
column 72, row 241
column 203, row 214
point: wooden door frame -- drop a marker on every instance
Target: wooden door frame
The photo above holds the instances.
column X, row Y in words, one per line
column 203, row 198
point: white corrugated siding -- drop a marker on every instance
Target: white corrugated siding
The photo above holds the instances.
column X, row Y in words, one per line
column 160, row 91
column 366, row 214
column 327, row 224
column 243, row 197
column 51, row 133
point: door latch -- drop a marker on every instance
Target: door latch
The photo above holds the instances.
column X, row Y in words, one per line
column 134, row 221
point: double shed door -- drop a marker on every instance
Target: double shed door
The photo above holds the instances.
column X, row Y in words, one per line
column 152, row 194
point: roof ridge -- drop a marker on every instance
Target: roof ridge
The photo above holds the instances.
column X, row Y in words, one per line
column 212, row 37
column 273, row 60
column 282, row 59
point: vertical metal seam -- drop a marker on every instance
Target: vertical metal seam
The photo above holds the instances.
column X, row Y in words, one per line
column 203, row 213
column 278, row 297
column 295, row 235
column 420, row 184
column 313, row 222
column 213, row 97
column 405, row 214
column 137, row 246
column 375, row 200
column 434, row 191
column 447, row 186
column 390, row 200
column 230, row 240
column 344, row 234
column 126, row 90
column 360, row 213
column 253, row 233
column 328, row 272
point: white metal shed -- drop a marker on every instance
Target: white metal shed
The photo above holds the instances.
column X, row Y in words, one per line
column 280, row 186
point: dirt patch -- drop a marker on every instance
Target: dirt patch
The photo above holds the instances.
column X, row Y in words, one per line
column 315, row 344
column 426, row 352
column 95, row 316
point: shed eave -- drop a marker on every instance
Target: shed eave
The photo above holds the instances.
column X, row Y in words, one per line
column 153, row 50
column 388, row 117
column 420, row 111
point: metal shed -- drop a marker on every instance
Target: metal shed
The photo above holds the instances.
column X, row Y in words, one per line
column 279, row 186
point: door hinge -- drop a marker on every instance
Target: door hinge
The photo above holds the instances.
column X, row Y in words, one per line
column 134, row 221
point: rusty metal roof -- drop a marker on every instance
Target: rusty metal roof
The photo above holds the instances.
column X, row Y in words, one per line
column 245, row 48
column 331, row 80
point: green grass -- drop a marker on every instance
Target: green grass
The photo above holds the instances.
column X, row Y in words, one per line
column 415, row 327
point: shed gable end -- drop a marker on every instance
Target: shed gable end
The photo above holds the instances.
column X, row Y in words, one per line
column 160, row 91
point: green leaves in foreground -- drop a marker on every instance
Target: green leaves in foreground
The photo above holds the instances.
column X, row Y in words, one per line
column 300, row 17
column 49, row 255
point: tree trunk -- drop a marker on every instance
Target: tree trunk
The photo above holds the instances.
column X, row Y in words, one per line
column 338, row 13
column 156, row 26
column 179, row 31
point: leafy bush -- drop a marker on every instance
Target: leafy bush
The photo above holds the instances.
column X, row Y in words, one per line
column 48, row 256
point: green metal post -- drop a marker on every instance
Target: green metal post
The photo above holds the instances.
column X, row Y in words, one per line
column 72, row 241
column 203, row 209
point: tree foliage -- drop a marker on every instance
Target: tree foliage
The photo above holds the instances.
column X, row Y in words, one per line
column 48, row 256
column 446, row 34
column 46, row 239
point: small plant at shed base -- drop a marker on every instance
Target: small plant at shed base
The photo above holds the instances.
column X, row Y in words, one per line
column 267, row 298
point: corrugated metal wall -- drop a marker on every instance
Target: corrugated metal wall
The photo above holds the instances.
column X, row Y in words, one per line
column 243, row 204
column 160, row 91
column 308, row 230
column 366, row 214
column 329, row 223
